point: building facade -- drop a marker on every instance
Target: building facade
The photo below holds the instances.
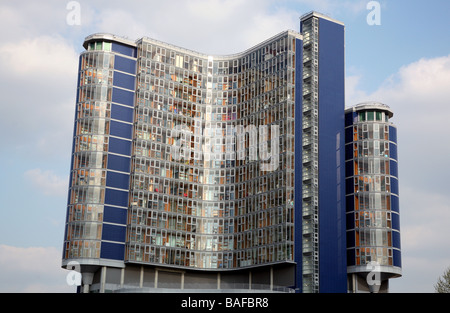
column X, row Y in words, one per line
column 210, row 173
column 372, row 195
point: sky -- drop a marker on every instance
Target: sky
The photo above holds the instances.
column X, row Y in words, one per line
column 402, row 61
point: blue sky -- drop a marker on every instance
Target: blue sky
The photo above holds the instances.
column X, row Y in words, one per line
column 404, row 62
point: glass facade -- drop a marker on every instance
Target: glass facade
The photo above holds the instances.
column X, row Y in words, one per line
column 227, row 170
column 373, row 230
column 216, row 207
column 88, row 176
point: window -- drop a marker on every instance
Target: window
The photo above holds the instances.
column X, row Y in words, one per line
column 362, row 116
column 379, row 116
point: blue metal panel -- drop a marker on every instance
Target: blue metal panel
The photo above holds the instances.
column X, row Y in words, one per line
column 118, row 180
column 351, row 257
column 124, row 49
column 332, row 228
column 114, row 233
column 394, row 186
column 349, row 186
column 349, row 117
column 395, row 221
column 123, row 97
column 124, row 81
column 350, row 223
column 393, row 134
column 396, row 239
column 397, row 258
column 349, row 152
column 350, row 203
column 348, row 134
column 393, row 151
column 125, row 65
column 121, row 130
column 298, row 161
column 118, row 163
column 349, row 169
column 112, row 251
column 114, row 215
column 122, row 113
column 116, row 197
column 393, row 168
column 119, row 146
column 395, row 205
column 351, row 237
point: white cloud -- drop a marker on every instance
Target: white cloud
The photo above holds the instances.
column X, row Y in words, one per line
column 47, row 182
column 38, row 98
column 45, row 56
column 418, row 94
column 32, row 270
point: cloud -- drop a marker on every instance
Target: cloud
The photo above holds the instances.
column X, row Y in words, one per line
column 47, row 182
column 210, row 27
column 418, row 94
column 32, row 270
column 38, row 83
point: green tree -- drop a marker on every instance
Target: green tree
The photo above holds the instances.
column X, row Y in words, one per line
column 443, row 284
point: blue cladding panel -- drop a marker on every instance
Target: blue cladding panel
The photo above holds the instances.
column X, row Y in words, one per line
column 121, row 130
column 114, row 233
column 351, row 257
column 114, row 215
column 397, row 258
column 349, row 119
column 349, row 152
column 122, row 113
column 350, row 203
column 394, row 186
column 349, row 186
column 395, row 204
column 112, row 251
column 124, row 49
column 119, row 146
column 349, row 134
column 349, row 169
column 351, row 237
column 118, row 163
column 393, row 134
column 123, row 80
column 125, row 65
column 396, row 239
column 117, row 180
column 116, row 197
column 298, row 162
column 393, row 151
column 350, row 223
column 332, row 220
column 396, row 221
column 123, row 97
column 393, row 168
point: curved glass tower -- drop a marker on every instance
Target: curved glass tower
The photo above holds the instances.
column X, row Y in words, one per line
column 372, row 195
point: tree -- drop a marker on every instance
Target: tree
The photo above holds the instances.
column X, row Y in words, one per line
column 443, row 284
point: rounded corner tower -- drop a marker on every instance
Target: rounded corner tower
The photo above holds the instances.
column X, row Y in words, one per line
column 372, row 198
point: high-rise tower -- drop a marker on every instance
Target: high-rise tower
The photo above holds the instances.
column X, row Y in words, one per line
column 372, row 191
column 198, row 172
column 319, row 122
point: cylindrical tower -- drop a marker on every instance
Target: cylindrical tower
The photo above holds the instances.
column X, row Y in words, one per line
column 372, row 197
